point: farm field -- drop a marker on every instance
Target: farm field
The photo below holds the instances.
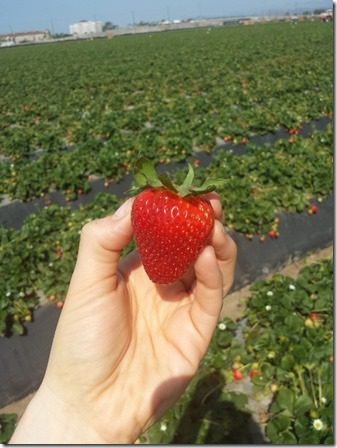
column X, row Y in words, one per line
column 76, row 112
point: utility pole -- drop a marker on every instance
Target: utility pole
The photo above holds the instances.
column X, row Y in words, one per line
column 168, row 13
column 133, row 18
column 52, row 27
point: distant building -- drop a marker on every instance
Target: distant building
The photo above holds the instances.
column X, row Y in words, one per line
column 19, row 38
column 327, row 15
column 86, row 28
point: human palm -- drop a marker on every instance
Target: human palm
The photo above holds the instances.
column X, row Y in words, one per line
column 126, row 348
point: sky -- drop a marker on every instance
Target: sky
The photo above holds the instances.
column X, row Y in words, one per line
column 57, row 15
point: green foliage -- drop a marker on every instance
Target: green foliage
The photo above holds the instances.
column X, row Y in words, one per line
column 7, row 426
column 94, row 107
column 286, row 339
column 271, row 179
column 46, row 246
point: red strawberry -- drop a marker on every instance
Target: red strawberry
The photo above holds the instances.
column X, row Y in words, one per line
column 313, row 316
column 171, row 223
column 313, row 210
column 253, row 372
column 237, row 375
column 272, row 234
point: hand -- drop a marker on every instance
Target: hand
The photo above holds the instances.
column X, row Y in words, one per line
column 125, row 348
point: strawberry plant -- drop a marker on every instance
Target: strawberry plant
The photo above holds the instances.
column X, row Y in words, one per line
column 268, row 180
column 46, row 245
column 276, row 354
column 7, row 426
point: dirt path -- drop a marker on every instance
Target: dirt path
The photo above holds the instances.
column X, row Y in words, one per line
column 235, row 303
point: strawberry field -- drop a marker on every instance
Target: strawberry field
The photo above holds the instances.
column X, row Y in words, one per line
column 241, row 104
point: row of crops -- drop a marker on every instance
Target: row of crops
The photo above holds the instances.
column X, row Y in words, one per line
column 258, row 187
column 79, row 110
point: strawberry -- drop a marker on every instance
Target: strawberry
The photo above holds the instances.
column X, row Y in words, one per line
column 313, row 316
column 237, row 375
column 171, row 223
column 313, row 209
column 272, row 234
column 253, row 372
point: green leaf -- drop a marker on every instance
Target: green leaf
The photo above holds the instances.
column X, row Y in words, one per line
column 302, row 404
column 17, row 328
column 189, row 178
column 285, row 399
column 166, row 181
column 272, row 431
column 7, row 426
column 145, row 174
column 281, row 422
column 287, row 438
column 287, row 362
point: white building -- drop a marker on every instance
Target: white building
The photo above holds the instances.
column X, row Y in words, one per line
column 86, row 28
column 19, row 38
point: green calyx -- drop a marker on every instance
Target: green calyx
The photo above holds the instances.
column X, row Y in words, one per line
column 146, row 176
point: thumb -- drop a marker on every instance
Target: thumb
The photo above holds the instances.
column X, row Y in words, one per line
column 100, row 246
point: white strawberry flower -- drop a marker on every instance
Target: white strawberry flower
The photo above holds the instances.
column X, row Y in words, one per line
column 8, row 294
column 268, row 308
column 270, row 293
column 292, row 287
column 222, row 326
column 323, row 400
column 163, row 427
column 317, row 424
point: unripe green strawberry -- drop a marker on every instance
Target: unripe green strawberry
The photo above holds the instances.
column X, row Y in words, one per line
column 171, row 224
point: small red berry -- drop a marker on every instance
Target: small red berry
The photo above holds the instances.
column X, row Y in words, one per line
column 196, row 162
column 237, row 375
column 293, row 131
column 58, row 252
column 313, row 209
column 313, row 316
column 59, row 305
column 272, row 234
column 253, row 372
column 227, row 138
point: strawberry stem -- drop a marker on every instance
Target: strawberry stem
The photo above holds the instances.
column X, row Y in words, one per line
column 146, row 176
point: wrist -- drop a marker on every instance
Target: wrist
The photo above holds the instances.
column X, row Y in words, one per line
column 49, row 420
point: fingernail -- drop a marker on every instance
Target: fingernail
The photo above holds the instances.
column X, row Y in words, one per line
column 122, row 210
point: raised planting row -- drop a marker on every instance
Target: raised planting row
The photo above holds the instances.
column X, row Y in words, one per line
column 13, row 213
column 280, row 353
column 163, row 96
column 258, row 188
column 268, row 180
column 40, row 257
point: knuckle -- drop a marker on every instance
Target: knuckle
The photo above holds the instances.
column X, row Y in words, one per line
column 89, row 229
